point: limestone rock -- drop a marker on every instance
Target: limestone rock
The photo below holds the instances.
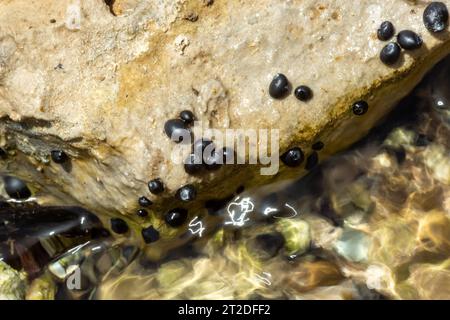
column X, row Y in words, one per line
column 98, row 79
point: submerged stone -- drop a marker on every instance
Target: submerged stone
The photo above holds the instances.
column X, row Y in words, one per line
column 12, row 283
column 353, row 245
column 297, row 234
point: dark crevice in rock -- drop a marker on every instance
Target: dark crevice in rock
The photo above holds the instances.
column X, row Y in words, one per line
column 28, row 123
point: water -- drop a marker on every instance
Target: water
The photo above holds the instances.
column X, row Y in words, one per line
column 372, row 222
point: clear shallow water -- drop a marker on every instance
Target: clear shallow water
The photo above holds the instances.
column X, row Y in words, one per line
column 372, row 222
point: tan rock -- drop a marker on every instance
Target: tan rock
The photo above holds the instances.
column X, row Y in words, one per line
column 101, row 81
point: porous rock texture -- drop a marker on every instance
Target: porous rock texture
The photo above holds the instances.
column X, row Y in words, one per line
column 98, row 79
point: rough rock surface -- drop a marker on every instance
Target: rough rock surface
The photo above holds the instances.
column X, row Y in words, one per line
column 99, row 79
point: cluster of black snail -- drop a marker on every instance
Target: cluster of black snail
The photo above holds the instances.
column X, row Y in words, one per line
column 175, row 129
column 278, row 89
column 435, row 19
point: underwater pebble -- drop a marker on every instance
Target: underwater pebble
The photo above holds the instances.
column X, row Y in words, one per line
column 377, row 277
column 353, row 245
column 297, row 234
column 399, row 153
column 437, row 160
column 400, row 137
column 42, row 288
column 435, row 17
